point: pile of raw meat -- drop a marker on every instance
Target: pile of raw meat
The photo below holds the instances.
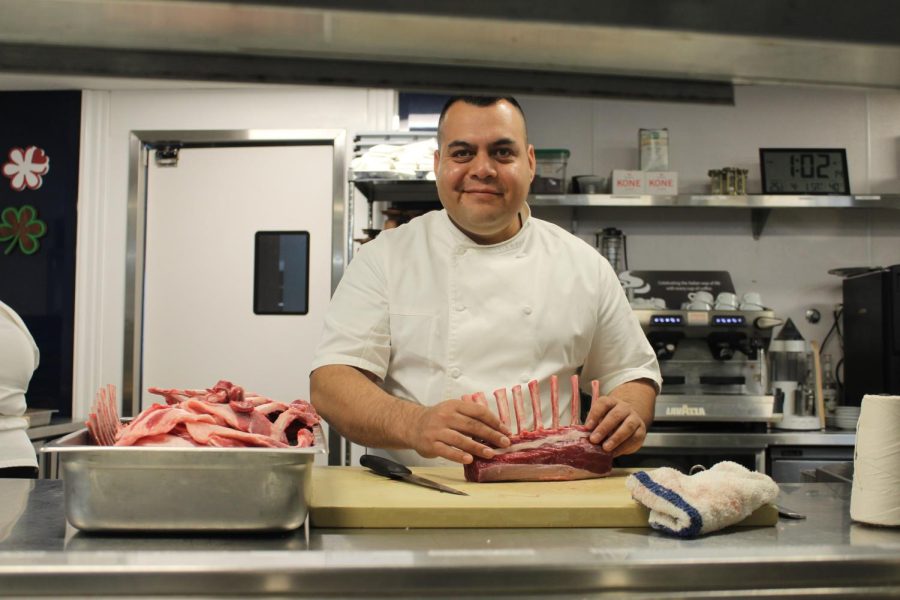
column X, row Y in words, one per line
column 221, row 416
column 561, row 453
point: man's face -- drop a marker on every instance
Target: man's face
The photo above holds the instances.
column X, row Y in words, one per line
column 484, row 167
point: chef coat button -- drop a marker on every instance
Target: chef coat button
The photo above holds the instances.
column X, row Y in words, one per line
column 455, row 373
column 460, row 250
column 527, row 310
column 520, row 256
column 459, row 307
column 524, row 378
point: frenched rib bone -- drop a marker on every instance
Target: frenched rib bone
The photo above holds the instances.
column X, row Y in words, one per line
column 519, row 406
column 576, row 401
column 554, row 401
column 537, row 418
column 560, row 453
column 502, row 405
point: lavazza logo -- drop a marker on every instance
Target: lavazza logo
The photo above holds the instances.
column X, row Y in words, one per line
column 685, row 411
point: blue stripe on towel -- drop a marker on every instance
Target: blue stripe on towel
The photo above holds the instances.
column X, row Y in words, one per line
column 676, row 500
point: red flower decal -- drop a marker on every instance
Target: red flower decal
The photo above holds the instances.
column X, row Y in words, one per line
column 21, row 227
column 26, row 168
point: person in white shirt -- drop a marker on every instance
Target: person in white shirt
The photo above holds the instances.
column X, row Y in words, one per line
column 476, row 297
column 18, row 359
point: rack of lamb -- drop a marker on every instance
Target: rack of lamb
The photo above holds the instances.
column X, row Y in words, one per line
column 561, row 453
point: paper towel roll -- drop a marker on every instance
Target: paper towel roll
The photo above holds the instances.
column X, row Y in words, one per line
column 875, row 498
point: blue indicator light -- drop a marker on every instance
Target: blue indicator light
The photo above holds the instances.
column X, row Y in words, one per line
column 723, row 320
column 666, row 320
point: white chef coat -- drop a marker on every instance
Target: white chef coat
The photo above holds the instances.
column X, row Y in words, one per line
column 19, row 358
column 436, row 316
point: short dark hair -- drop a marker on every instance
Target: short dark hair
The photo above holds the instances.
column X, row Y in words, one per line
column 481, row 101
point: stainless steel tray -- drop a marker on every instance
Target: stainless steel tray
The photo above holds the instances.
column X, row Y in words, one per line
column 39, row 417
column 184, row 489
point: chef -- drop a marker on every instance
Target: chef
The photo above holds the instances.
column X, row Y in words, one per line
column 18, row 360
column 475, row 297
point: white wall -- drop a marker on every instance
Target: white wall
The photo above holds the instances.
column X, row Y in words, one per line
column 602, row 134
column 789, row 263
column 109, row 117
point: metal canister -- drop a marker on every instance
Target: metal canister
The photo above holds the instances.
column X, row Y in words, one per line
column 730, row 183
column 715, row 181
column 742, row 182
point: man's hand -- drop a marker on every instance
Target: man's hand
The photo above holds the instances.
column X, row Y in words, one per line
column 620, row 420
column 450, row 430
column 358, row 409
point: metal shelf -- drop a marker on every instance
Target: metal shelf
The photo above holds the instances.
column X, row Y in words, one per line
column 760, row 205
column 761, row 201
column 419, row 190
column 397, row 190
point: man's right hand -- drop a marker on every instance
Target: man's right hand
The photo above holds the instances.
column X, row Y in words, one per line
column 450, row 430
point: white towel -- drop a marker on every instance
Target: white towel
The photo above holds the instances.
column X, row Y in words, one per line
column 691, row 505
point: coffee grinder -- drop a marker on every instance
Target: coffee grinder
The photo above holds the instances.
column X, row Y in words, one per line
column 791, row 372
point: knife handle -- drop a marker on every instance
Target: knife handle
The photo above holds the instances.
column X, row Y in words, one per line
column 384, row 466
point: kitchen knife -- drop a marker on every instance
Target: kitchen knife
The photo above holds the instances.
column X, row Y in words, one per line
column 394, row 470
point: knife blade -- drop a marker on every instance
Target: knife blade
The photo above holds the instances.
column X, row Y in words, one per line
column 394, row 470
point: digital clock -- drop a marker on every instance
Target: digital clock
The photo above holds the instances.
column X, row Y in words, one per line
column 804, row 171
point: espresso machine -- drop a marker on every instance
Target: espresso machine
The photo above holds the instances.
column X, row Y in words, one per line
column 713, row 363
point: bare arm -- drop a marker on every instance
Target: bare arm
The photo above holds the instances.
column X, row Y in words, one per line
column 620, row 420
column 361, row 411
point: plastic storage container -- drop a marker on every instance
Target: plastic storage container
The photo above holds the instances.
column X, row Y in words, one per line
column 550, row 173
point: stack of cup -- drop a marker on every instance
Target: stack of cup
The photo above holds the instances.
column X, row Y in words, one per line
column 701, row 300
column 726, row 301
column 751, row 301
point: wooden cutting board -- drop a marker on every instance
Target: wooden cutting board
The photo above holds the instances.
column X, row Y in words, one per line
column 357, row 498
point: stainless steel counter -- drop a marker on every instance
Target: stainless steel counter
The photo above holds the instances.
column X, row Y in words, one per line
column 824, row 554
column 57, row 427
column 760, row 441
column 40, row 435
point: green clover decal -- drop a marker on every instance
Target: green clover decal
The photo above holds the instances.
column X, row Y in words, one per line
column 22, row 227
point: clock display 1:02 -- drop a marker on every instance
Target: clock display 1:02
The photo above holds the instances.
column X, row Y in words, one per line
column 810, row 171
column 810, row 166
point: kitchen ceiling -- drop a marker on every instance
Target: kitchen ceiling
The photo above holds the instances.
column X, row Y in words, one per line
column 656, row 49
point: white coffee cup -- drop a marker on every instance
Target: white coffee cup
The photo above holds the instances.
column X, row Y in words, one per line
column 701, row 296
column 749, row 306
column 726, row 299
column 752, row 298
column 720, row 306
column 697, row 305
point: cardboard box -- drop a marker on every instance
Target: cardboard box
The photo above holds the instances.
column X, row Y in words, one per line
column 661, row 183
column 637, row 183
column 627, row 182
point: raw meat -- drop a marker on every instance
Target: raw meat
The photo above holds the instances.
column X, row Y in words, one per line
column 562, row 453
column 103, row 423
column 221, row 416
column 156, row 420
